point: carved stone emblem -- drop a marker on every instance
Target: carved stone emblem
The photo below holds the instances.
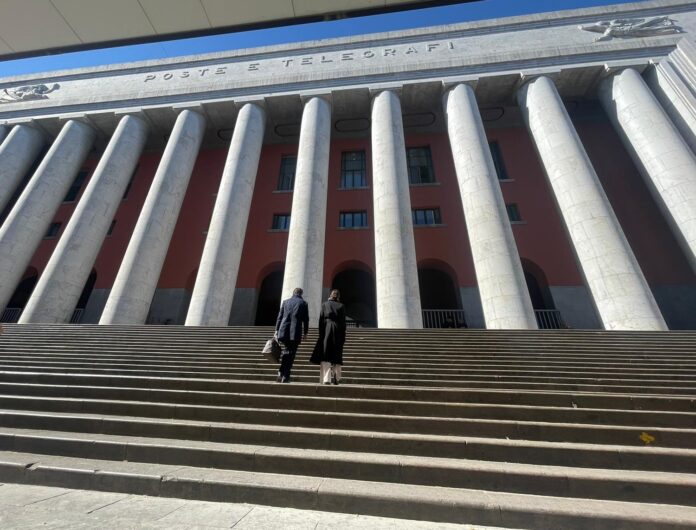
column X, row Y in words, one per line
column 26, row 93
column 623, row 28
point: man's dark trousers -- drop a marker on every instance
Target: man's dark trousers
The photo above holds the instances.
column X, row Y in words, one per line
column 287, row 358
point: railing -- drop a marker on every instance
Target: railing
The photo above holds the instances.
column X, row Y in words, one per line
column 549, row 319
column 350, row 323
column 76, row 317
column 11, row 314
column 443, row 318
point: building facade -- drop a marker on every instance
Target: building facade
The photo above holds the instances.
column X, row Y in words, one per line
column 535, row 171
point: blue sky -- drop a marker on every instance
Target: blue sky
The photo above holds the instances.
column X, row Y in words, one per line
column 319, row 30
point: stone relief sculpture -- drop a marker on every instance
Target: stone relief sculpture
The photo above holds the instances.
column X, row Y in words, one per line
column 26, row 93
column 623, row 28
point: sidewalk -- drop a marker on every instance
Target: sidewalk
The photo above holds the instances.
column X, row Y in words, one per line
column 25, row 507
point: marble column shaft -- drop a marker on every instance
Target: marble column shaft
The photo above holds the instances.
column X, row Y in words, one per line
column 35, row 208
column 136, row 281
column 58, row 290
column 666, row 162
column 17, row 153
column 501, row 283
column 211, row 301
column 396, row 269
column 304, row 262
column 619, row 290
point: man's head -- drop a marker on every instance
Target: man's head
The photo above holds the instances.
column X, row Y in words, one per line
column 335, row 295
column 297, row 291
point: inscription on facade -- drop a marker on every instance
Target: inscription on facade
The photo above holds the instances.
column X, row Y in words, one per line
column 331, row 59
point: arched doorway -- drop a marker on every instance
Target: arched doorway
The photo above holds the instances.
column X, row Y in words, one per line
column 20, row 297
column 538, row 286
column 357, row 286
column 269, row 298
column 440, row 298
column 84, row 298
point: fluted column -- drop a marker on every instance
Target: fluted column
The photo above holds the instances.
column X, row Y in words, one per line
column 501, row 283
column 620, row 292
column 17, row 153
column 211, row 301
column 136, row 281
column 58, row 290
column 398, row 296
column 33, row 212
column 304, row 262
column 664, row 158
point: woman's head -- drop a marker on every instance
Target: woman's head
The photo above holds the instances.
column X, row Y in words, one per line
column 335, row 295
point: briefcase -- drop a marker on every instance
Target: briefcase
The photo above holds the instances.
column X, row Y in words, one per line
column 271, row 350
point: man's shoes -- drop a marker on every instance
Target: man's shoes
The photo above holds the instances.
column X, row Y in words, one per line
column 285, row 380
column 326, row 383
column 334, row 380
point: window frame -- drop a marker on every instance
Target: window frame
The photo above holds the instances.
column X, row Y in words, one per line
column 275, row 223
column 498, row 161
column 513, row 213
column 352, row 215
column 286, row 182
column 362, row 172
column 49, row 235
column 411, row 168
column 76, row 186
column 425, row 213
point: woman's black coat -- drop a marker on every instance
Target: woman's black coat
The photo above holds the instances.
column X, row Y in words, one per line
column 332, row 334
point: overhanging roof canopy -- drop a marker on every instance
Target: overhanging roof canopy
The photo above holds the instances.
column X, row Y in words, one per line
column 38, row 27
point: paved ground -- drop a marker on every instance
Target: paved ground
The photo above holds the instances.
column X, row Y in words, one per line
column 43, row 507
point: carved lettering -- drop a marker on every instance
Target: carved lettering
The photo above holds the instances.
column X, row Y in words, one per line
column 185, row 74
column 221, row 70
column 287, row 62
column 368, row 54
column 253, row 67
column 450, row 45
column 433, row 46
column 150, row 77
column 411, row 50
column 324, row 59
column 167, row 76
column 306, row 60
column 347, row 56
column 388, row 51
column 203, row 71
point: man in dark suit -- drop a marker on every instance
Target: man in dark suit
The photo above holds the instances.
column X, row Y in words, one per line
column 293, row 319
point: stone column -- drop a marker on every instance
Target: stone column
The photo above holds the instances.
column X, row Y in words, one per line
column 136, row 281
column 620, row 292
column 504, row 295
column 665, row 160
column 398, row 296
column 58, row 290
column 211, row 301
column 33, row 212
column 304, row 262
column 17, row 154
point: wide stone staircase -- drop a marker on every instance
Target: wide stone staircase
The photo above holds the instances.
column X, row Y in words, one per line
column 553, row 429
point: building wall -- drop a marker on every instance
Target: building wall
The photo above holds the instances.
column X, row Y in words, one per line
column 540, row 237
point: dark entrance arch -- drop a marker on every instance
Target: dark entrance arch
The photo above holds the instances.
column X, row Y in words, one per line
column 437, row 289
column 538, row 286
column 269, row 299
column 357, row 288
column 20, row 297
column 84, row 298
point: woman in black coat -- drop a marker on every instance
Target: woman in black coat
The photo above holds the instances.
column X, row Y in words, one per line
column 328, row 352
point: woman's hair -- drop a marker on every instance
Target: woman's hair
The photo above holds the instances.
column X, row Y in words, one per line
column 335, row 294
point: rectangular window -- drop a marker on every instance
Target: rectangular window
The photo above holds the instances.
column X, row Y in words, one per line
column 111, row 228
column 352, row 219
column 513, row 213
column 353, row 170
column 286, row 180
column 76, row 185
column 426, row 216
column 498, row 162
column 420, row 165
column 281, row 221
column 52, row 231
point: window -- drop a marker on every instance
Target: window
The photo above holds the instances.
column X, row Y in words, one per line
column 286, row 180
column 513, row 213
column 52, row 231
column 76, row 185
column 130, row 183
column 111, row 228
column 420, row 165
column 353, row 170
column 352, row 219
column 428, row 216
column 281, row 221
column 498, row 161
